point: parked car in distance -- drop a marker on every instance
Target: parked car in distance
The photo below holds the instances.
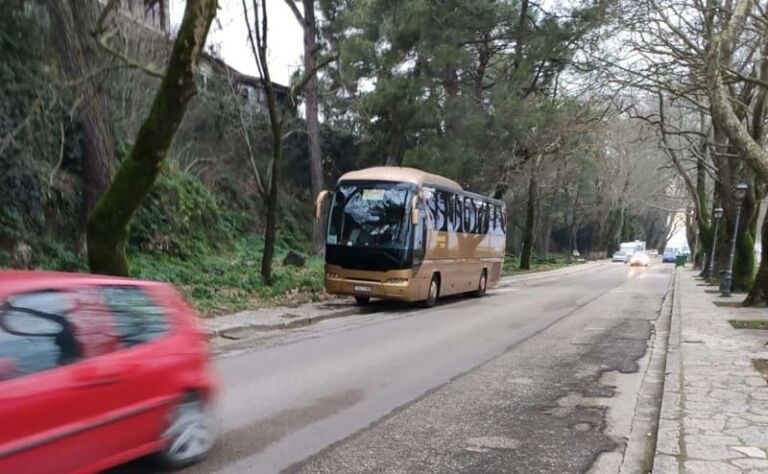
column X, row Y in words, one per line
column 669, row 256
column 619, row 257
column 96, row 371
column 653, row 253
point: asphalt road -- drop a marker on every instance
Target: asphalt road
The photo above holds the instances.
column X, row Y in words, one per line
column 512, row 382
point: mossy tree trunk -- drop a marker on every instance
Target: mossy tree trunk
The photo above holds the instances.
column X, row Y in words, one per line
column 741, row 138
column 109, row 222
column 758, row 293
column 744, row 265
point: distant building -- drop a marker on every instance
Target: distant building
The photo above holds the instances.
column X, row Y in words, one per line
column 153, row 19
column 154, row 14
column 249, row 87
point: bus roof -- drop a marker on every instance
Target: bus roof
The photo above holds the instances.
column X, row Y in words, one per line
column 400, row 175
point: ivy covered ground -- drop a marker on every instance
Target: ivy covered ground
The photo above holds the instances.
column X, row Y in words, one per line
column 184, row 235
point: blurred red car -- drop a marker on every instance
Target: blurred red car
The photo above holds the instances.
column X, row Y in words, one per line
column 96, row 371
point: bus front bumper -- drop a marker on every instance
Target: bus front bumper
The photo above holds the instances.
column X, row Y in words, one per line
column 394, row 287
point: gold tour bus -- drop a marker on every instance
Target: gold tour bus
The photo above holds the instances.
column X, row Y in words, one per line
column 404, row 234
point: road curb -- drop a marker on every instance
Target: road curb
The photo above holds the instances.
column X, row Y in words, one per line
column 670, row 431
column 641, row 447
column 231, row 333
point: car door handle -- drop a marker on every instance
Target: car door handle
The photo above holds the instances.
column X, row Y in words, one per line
column 99, row 381
column 94, row 376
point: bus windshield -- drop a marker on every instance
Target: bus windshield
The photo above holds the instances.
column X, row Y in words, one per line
column 372, row 215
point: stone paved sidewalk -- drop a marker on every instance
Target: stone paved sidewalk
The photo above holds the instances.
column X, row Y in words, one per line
column 714, row 414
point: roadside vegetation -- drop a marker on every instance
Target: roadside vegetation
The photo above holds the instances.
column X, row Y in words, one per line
column 748, row 324
column 230, row 281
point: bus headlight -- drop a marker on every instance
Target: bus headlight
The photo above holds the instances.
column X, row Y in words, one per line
column 331, row 275
column 396, row 281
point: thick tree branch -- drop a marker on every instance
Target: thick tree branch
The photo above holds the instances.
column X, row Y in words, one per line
column 720, row 98
column 307, row 76
column 296, row 12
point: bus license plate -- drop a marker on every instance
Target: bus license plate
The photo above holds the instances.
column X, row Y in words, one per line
column 362, row 289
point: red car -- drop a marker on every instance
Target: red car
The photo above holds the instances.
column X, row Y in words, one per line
column 96, row 371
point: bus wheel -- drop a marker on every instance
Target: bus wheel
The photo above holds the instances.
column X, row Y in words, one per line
column 434, row 292
column 362, row 300
column 481, row 285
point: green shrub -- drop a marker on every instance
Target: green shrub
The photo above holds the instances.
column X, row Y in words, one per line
column 229, row 280
column 179, row 217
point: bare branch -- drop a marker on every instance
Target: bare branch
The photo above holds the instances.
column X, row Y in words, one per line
column 296, row 12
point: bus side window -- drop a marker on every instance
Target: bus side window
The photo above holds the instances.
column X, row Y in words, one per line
column 503, row 220
column 492, row 210
column 442, row 211
column 485, row 213
column 481, row 217
column 335, row 219
column 448, row 198
column 457, row 217
column 488, row 210
column 420, row 235
column 469, row 215
column 496, row 223
column 432, row 208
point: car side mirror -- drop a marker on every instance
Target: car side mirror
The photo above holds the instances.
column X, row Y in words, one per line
column 319, row 204
column 27, row 323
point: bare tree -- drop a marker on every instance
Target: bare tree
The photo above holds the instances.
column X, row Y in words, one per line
column 311, row 101
column 258, row 39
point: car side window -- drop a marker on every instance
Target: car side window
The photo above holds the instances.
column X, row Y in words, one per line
column 36, row 334
column 138, row 318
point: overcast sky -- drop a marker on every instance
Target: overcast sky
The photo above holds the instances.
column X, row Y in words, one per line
column 230, row 36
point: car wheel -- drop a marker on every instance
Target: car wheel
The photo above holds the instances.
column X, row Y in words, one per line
column 481, row 285
column 434, row 292
column 362, row 300
column 190, row 435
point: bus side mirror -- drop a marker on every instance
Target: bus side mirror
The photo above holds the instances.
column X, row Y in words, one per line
column 319, row 204
column 415, row 211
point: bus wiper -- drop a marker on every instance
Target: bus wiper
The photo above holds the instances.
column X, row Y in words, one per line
column 396, row 260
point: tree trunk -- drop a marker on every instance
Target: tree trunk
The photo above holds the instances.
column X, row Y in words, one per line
column 108, row 224
column 313, row 122
column 720, row 98
column 546, row 220
column 395, row 146
column 270, row 231
column 744, row 263
column 573, row 225
column 520, row 33
column 530, row 219
column 71, row 24
column 758, row 294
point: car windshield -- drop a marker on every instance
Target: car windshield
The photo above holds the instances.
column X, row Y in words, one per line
column 370, row 215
